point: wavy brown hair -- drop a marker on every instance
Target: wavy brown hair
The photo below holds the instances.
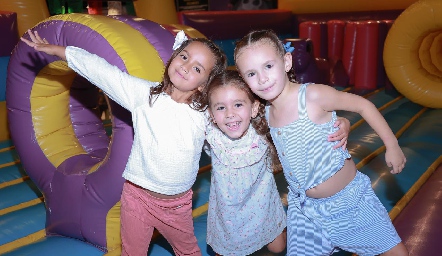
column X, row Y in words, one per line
column 195, row 101
column 259, row 123
column 264, row 36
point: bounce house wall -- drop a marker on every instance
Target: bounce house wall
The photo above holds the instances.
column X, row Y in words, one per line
column 4, row 131
column 29, row 12
column 326, row 6
column 281, row 21
column 9, row 32
column 160, row 11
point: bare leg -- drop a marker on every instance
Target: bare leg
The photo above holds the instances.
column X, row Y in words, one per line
column 278, row 245
column 398, row 250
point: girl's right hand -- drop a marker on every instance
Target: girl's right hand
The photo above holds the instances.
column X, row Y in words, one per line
column 43, row 45
column 395, row 158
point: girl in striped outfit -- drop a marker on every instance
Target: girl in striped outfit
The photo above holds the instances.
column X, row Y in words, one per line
column 332, row 205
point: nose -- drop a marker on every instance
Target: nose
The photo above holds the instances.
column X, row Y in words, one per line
column 263, row 79
column 230, row 113
column 184, row 68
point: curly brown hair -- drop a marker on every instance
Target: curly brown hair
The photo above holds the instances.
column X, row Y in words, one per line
column 195, row 101
column 259, row 123
column 264, row 36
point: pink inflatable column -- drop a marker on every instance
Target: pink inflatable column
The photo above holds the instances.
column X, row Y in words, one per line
column 388, row 85
column 335, row 44
column 317, row 32
column 366, row 58
column 349, row 51
column 335, row 31
column 381, row 74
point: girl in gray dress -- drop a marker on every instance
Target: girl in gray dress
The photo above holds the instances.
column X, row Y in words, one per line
column 245, row 209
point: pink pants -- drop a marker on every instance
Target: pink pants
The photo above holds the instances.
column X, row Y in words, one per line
column 142, row 212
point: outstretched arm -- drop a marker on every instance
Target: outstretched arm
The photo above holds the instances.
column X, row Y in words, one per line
column 337, row 100
column 127, row 90
column 42, row 45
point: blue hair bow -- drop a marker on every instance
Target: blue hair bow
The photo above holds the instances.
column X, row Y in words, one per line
column 288, row 48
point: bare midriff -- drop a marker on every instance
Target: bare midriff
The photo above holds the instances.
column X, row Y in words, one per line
column 335, row 183
column 163, row 196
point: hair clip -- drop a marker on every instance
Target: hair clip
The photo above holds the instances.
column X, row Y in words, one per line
column 180, row 38
column 288, row 48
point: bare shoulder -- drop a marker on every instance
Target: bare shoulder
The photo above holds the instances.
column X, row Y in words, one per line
column 318, row 91
column 320, row 87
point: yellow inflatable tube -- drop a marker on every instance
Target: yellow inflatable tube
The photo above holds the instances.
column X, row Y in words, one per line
column 412, row 53
column 327, row 6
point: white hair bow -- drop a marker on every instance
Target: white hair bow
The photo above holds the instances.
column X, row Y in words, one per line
column 179, row 39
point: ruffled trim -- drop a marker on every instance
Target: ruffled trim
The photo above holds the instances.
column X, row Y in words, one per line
column 240, row 153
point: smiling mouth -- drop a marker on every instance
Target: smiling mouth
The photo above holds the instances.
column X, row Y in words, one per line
column 180, row 75
column 267, row 88
column 233, row 125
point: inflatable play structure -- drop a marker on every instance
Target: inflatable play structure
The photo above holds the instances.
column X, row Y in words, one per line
column 61, row 165
column 412, row 53
column 72, row 157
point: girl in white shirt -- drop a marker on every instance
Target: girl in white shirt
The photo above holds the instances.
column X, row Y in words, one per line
column 169, row 124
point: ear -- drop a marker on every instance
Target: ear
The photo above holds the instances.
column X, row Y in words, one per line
column 255, row 108
column 212, row 118
column 288, row 61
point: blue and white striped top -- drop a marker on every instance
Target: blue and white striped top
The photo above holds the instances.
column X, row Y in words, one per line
column 307, row 158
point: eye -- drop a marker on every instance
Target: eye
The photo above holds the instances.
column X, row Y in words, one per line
column 220, row 108
column 251, row 74
column 198, row 70
column 183, row 56
column 238, row 105
column 269, row 66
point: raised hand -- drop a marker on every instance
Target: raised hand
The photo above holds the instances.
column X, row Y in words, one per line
column 42, row 45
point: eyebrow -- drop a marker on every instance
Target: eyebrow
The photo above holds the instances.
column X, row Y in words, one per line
column 247, row 71
column 240, row 100
column 235, row 101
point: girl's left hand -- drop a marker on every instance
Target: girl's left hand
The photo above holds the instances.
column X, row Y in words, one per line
column 340, row 135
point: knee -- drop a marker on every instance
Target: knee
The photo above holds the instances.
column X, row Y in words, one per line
column 279, row 244
column 398, row 250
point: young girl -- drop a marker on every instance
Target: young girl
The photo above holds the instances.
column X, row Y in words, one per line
column 169, row 129
column 245, row 209
column 331, row 204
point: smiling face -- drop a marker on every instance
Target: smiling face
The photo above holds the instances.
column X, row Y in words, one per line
column 190, row 70
column 264, row 69
column 231, row 110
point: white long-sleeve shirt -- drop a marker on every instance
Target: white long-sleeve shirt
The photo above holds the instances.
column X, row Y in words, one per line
column 168, row 136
